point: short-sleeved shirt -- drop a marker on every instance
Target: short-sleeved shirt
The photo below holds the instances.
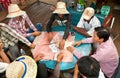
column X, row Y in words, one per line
column 94, row 22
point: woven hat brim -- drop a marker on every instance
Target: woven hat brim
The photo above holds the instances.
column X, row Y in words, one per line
column 32, row 67
column 61, row 11
column 15, row 14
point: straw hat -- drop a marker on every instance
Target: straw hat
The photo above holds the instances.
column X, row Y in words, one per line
column 88, row 13
column 61, row 8
column 14, row 11
column 22, row 67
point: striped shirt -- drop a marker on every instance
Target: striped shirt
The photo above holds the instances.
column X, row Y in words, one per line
column 10, row 37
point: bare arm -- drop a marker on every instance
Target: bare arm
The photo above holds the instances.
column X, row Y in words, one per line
column 3, row 57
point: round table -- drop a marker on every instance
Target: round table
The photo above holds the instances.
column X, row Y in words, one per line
column 83, row 48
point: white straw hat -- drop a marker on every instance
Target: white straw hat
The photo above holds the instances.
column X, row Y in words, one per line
column 22, row 67
column 14, row 11
column 88, row 13
column 61, row 8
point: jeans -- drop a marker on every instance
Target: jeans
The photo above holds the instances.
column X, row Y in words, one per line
column 14, row 51
column 39, row 28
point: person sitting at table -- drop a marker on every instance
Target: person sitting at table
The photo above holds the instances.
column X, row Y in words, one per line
column 18, row 19
column 88, row 22
column 13, row 42
column 63, row 18
column 106, row 53
column 88, row 67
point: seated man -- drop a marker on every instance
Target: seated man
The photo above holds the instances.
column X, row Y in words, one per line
column 87, row 22
column 18, row 19
column 88, row 67
column 12, row 40
column 106, row 53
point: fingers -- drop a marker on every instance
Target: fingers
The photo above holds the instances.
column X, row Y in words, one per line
column 70, row 48
column 77, row 43
column 60, row 57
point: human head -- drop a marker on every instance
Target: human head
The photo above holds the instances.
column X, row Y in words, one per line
column 101, row 34
column 88, row 67
column 61, row 8
column 14, row 11
column 88, row 13
column 22, row 67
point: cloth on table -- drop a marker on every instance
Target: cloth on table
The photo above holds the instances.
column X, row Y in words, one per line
column 51, row 50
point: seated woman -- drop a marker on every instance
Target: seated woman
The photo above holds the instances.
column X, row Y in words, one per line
column 18, row 18
column 13, row 42
column 63, row 18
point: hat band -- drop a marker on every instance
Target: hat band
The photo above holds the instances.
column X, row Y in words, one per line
column 25, row 69
column 15, row 11
column 25, row 66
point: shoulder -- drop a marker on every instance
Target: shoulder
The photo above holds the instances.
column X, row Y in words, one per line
column 95, row 18
column 25, row 15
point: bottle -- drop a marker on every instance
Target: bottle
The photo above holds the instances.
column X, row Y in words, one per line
column 22, row 51
column 81, row 5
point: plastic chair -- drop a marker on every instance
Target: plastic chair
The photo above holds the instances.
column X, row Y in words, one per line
column 105, row 10
column 108, row 22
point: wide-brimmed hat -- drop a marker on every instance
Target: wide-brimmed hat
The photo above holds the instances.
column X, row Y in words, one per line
column 61, row 8
column 22, row 67
column 88, row 13
column 14, row 11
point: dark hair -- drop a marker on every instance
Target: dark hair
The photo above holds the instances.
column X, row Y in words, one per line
column 89, row 67
column 103, row 32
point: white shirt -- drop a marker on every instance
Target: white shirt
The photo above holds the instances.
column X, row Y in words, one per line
column 94, row 22
column 101, row 74
column 3, row 66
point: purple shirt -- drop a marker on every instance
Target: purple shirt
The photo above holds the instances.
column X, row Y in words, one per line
column 20, row 27
column 106, row 54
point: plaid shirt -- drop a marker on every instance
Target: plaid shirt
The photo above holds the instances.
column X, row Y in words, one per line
column 20, row 27
column 10, row 37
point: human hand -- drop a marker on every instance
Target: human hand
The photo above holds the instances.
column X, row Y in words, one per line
column 38, row 57
column 77, row 43
column 36, row 33
column 1, row 45
column 61, row 44
column 50, row 36
column 32, row 46
column 59, row 57
column 70, row 48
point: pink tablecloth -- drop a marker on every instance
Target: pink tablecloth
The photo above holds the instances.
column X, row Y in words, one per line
column 43, row 47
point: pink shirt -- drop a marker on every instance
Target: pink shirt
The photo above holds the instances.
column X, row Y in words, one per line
column 20, row 27
column 106, row 54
